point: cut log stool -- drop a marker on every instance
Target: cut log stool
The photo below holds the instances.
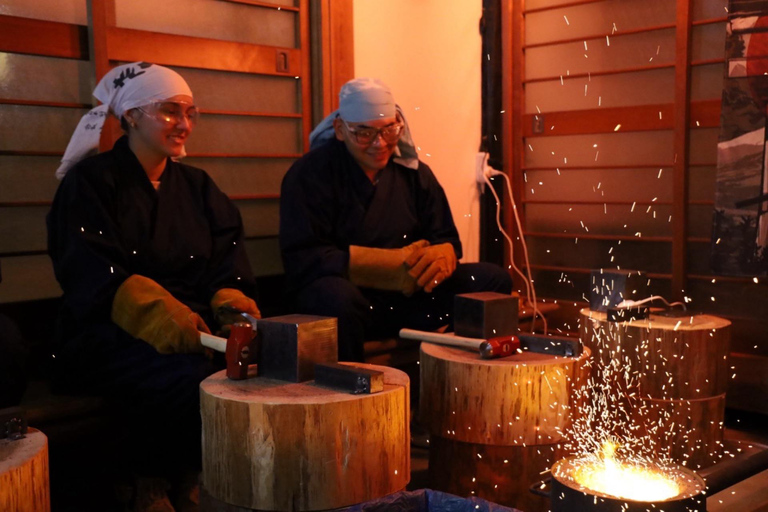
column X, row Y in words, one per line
column 24, row 484
column 681, row 368
column 276, row 445
column 495, row 423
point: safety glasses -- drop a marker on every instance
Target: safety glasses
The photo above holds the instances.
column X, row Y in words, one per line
column 171, row 113
column 366, row 135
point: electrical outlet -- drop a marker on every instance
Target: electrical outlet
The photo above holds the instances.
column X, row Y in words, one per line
column 481, row 164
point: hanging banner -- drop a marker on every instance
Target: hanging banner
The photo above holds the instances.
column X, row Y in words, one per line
column 740, row 232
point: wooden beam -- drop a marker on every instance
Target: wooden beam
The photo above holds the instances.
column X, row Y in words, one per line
column 101, row 14
column 681, row 144
column 703, row 114
column 306, row 73
column 267, row 5
column 334, row 52
column 38, row 37
column 513, row 66
column 197, row 52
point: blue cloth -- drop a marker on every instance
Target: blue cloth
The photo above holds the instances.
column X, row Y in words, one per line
column 427, row 500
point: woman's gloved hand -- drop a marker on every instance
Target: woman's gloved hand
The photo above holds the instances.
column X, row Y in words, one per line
column 384, row 269
column 432, row 266
column 149, row 312
column 227, row 304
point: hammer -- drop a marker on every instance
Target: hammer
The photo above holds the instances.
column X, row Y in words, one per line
column 504, row 345
column 488, row 349
column 240, row 349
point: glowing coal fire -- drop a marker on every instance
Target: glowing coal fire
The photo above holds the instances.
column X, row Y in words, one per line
column 622, row 479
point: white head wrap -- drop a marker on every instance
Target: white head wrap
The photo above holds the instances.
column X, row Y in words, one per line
column 121, row 89
column 367, row 99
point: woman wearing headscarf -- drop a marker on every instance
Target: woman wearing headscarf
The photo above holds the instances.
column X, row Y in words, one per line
column 148, row 252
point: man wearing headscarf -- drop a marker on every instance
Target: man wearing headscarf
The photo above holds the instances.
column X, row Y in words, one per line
column 366, row 232
column 148, row 252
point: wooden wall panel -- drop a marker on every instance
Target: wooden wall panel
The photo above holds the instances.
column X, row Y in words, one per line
column 22, row 229
column 244, row 175
column 261, row 217
column 129, row 45
column 28, row 278
column 599, row 18
column 26, row 128
column 600, row 185
column 636, row 88
column 243, row 135
column 220, row 90
column 617, row 148
column 654, row 257
column 71, row 12
column 632, row 51
column 600, row 219
column 27, row 178
column 22, row 79
column 671, row 108
column 709, row 9
column 211, row 19
column 706, row 82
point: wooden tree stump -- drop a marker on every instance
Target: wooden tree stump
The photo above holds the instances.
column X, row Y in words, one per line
column 24, row 484
column 679, row 368
column 494, row 424
column 275, row 445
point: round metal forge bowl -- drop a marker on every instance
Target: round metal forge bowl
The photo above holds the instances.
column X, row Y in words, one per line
column 567, row 495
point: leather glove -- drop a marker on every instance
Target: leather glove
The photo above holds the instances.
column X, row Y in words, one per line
column 147, row 311
column 228, row 303
column 433, row 266
column 383, row 269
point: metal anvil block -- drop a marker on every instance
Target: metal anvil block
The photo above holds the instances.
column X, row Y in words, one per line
column 485, row 315
column 291, row 345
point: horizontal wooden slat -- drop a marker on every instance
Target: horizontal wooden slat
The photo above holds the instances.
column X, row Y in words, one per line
column 592, row 236
column 578, row 270
column 252, row 114
column 39, row 103
column 620, row 71
column 249, row 197
column 243, row 155
column 610, row 167
column 267, row 5
column 704, row 114
column 196, row 52
column 38, row 37
column 573, row 3
column 600, row 203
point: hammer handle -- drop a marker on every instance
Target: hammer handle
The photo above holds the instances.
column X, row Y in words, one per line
column 213, row 342
column 442, row 339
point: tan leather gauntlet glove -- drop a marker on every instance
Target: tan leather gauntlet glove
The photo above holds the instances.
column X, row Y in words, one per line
column 227, row 303
column 147, row 311
column 433, row 266
column 383, row 269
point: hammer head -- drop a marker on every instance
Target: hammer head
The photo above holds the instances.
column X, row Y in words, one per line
column 241, row 350
column 499, row 347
